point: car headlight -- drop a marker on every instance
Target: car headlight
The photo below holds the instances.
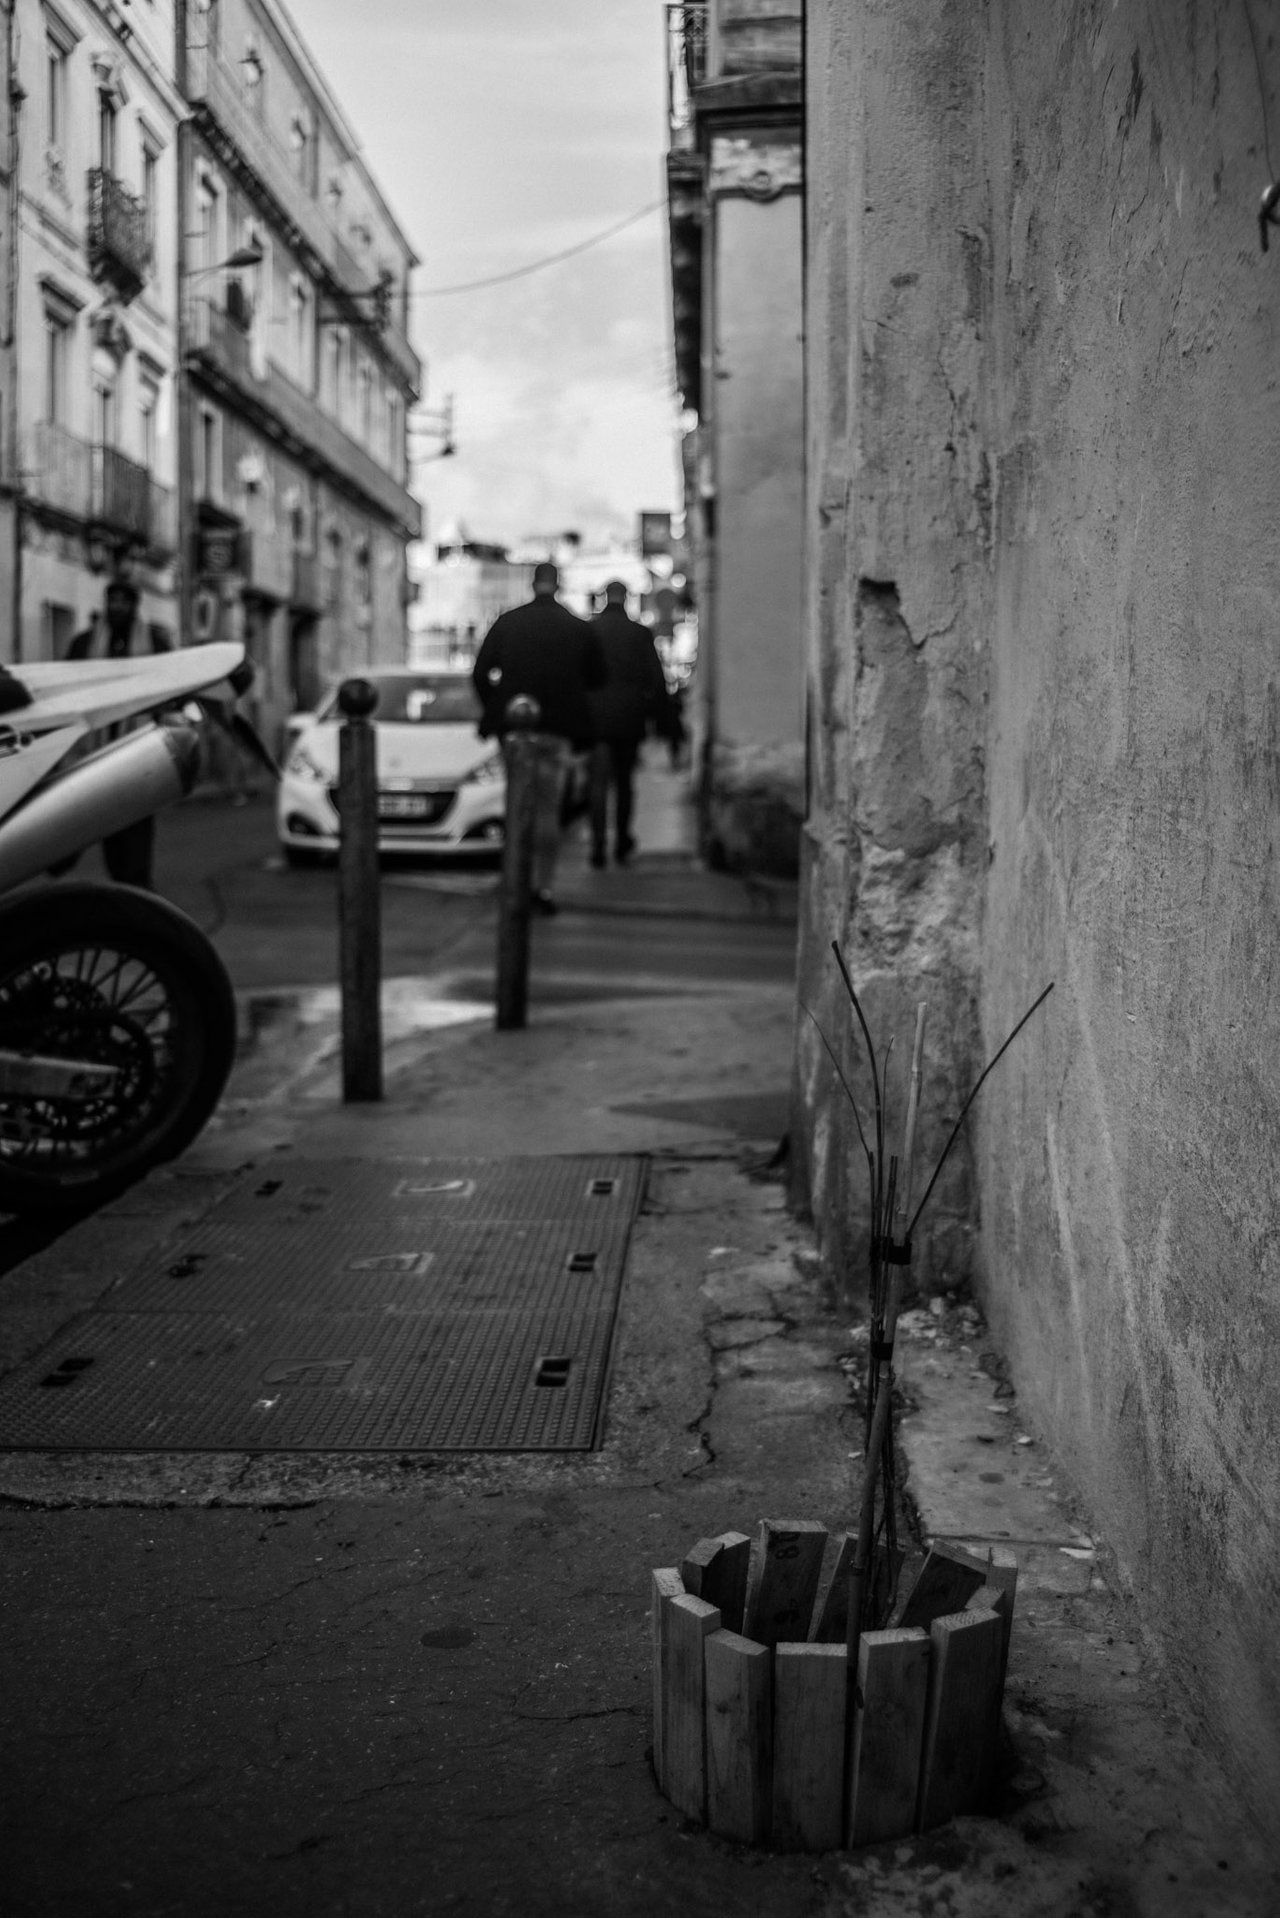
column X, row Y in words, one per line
column 487, row 770
column 302, row 766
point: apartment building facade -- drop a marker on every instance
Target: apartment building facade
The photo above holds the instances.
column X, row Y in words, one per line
column 91, row 305
column 297, row 372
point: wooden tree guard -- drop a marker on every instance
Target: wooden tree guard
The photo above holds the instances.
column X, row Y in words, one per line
column 664, row 1586
column 739, row 1737
column 684, row 1760
column 809, row 1688
column 888, row 1734
column 716, row 1570
column 772, row 1744
column 960, row 1725
column 783, row 1582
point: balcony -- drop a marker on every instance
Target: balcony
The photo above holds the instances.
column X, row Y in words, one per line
column 99, row 487
column 126, row 500
column 57, row 470
column 119, row 242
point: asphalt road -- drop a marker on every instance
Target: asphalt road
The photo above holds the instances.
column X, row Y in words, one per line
column 277, row 931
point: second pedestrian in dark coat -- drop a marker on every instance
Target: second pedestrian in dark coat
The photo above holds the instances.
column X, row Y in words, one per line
column 632, row 699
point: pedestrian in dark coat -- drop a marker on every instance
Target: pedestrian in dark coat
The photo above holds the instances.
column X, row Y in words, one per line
column 546, row 652
column 632, row 700
column 130, row 853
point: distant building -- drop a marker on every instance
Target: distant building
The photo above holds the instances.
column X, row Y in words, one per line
column 297, row 368
column 90, row 447
column 461, row 589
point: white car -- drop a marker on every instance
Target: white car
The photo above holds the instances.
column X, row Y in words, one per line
column 441, row 788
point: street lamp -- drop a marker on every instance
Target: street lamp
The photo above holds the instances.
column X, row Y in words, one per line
column 438, row 423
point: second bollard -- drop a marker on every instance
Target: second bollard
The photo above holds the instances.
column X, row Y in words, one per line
column 515, row 889
column 359, row 894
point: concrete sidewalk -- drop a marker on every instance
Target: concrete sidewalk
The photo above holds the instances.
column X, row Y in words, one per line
column 380, row 1685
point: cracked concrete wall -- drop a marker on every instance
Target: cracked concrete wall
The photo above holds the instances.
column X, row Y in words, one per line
column 1063, row 206
column 898, row 530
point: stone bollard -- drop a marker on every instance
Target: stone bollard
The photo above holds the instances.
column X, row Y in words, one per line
column 359, row 894
column 521, row 749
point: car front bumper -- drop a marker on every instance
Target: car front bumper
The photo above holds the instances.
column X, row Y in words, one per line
column 428, row 818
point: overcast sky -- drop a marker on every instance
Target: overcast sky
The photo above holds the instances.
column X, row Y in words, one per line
column 501, row 131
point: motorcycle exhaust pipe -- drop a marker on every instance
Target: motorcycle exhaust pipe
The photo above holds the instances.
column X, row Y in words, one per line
column 125, row 782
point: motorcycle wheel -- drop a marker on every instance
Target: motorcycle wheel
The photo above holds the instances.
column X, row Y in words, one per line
column 117, row 976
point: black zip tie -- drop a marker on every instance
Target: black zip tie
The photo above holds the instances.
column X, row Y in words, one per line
column 882, row 1349
column 896, row 1254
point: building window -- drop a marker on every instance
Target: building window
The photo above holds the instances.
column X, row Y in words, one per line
column 148, row 416
column 59, row 623
column 300, row 328
column 209, row 476
column 205, row 252
column 337, row 369
column 57, row 362
column 104, row 410
column 255, row 78
column 300, row 145
column 395, row 433
column 106, row 133
column 150, row 186
column 55, row 90
column 364, row 402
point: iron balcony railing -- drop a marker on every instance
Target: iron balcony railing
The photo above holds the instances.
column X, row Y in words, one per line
column 119, row 237
column 99, row 486
column 686, row 65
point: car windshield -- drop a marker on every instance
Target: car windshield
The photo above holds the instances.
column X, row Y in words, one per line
column 418, row 699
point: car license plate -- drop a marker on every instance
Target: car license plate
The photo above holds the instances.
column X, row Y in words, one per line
column 402, row 805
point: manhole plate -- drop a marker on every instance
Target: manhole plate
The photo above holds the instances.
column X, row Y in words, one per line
column 409, row 1306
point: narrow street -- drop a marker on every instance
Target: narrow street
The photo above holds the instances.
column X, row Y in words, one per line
column 412, row 1681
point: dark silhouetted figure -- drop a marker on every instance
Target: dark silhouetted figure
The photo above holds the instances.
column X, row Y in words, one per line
column 632, row 700
column 543, row 650
column 129, row 854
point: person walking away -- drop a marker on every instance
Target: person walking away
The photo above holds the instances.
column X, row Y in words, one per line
column 632, row 699
column 546, row 652
column 128, row 855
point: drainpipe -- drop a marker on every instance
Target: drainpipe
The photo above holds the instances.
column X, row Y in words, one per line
column 181, row 384
column 12, row 451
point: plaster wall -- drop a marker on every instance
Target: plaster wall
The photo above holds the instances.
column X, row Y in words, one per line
column 1129, row 1160
column 898, row 533
column 758, row 427
column 1043, row 409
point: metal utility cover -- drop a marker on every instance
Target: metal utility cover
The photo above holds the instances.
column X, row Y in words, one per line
column 407, row 1305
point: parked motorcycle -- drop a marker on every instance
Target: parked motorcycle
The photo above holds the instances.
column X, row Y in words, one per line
column 117, row 1018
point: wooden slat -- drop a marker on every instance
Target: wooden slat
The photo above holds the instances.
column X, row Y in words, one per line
column 697, row 1563
column 664, row 1585
column 1002, row 1572
column 725, row 1581
column 809, row 1687
column 739, row 1684
column 783, row 1582
column 888, row 1734
column 689, row 1621
column 831, row 1617
column 948, row 1579
column 960, row 1716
